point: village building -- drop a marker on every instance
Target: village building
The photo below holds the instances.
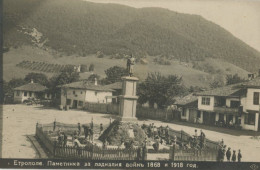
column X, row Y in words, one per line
column 30, row 91
column 186, row 108
column 235, row 105
column 77, row 94
column 117, row 91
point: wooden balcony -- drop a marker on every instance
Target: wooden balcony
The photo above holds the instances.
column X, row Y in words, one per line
column 224, row 109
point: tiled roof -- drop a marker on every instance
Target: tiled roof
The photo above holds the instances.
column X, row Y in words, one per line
column 114, row 86
column 231, row 90
column 186, row 99
column 252, row 83
column 34, row 87
column 87, row 86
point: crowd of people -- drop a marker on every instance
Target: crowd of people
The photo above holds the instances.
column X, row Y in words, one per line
column 88, row 132
column 222, row 153
column 161, row 136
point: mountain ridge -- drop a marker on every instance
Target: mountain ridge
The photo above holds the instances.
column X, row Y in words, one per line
column 113, row 29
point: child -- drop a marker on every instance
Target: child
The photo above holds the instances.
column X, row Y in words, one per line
column 234, row 157
column 239, row 156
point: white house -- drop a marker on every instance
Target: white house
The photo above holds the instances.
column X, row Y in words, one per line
column 30, row 91
column 76, row 94
column 237, row 104
column 186, row 109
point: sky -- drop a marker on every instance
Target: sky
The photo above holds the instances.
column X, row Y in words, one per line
column 239, row 17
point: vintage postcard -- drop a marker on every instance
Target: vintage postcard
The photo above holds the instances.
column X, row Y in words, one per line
column 130, row 84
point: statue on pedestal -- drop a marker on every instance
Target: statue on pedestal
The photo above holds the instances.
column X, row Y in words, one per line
column 130, row 65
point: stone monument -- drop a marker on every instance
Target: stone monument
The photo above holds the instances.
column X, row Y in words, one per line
column 125, row 128
column 128, row 99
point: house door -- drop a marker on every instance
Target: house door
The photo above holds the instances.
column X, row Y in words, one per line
column 206, row 118
column 229, row 118
column 212, row 118
column 75, row 104
column 192, row 115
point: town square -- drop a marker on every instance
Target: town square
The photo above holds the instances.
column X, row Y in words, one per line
column 141, row 81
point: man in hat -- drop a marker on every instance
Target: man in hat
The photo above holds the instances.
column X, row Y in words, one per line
column 228, row 154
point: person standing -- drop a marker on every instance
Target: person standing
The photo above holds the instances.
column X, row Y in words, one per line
column 234, row 156
column 202, row 139
column 65, row 139
column 228, row 154
column 86, row 131
column 91, row 134
column 92, row 124
column 223, row 153
column 196, row 133
column 79, row 128
column 101, row 128
column 239, row 156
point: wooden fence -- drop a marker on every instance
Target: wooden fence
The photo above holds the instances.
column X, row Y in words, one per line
column 185, row 137
column 150, row 113
column 90, row 151
column 102, row 107
column 193, row 154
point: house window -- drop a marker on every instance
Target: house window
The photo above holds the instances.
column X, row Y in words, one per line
column 256, row 98
column 95, row 93
column 30, row 94
column 81, row 92
column 234, row 104
column 205, row 101
column 48, row 95
column 25, row 93
column 17, row 93
column 74, row 92
column 80, row 103
column 250, row 119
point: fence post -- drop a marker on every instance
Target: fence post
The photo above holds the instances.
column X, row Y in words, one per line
column 92, row 152
column 54, row 125
column 144, row 153
column 54, row 148
column 181, row 134
column 173, row 152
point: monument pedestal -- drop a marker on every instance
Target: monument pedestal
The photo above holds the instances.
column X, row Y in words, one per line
column 125, row 127
column 128, row 100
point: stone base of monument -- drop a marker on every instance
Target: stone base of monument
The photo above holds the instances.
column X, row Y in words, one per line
column 120, row 132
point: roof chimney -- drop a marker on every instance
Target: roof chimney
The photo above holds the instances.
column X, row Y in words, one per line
column 31, row 80
column 95, row 81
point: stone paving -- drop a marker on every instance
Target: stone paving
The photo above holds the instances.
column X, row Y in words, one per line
column 20, row 120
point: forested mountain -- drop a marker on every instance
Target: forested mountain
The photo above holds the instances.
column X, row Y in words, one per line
column 75, row 26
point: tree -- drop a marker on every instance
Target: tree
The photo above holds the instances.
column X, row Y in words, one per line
column 8, row 88
column 93, row 76
column 114, row 74
column 233, row 79
column 37, row 78
column 83, row 68
column 215, row 84
column 91, row 67
column 160, row 89
column 16, row 82
column 67, row 76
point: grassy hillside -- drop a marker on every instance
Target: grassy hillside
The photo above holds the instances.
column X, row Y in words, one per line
column 191, row 77
column 83, row 28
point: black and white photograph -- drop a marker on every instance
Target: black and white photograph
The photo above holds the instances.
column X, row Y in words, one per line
column 143, row 84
